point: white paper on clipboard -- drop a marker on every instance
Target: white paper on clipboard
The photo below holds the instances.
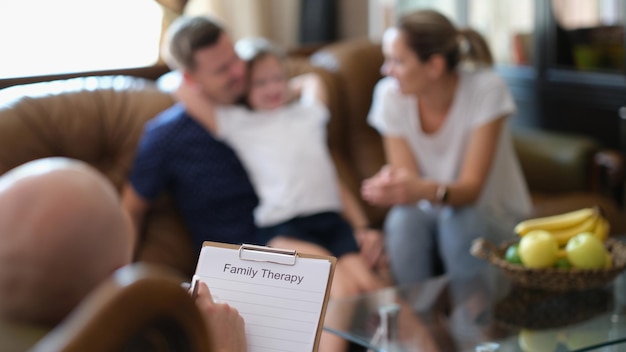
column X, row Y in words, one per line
column 282, row 295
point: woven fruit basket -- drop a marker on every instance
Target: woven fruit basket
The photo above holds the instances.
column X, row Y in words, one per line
column 542, row 309
column 554, row 279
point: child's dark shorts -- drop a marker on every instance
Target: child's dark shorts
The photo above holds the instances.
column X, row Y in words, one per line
column 328, row 229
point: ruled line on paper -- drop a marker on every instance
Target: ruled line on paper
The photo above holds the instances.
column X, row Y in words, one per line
column 283, row 329
column 259, row 348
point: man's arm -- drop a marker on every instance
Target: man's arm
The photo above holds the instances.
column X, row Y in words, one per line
column 136, row 206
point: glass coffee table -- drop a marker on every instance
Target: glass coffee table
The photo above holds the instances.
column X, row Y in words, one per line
column 484, row 314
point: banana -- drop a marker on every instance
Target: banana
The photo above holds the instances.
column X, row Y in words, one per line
column 563, row 235
column 602, row 229
column 556, row 222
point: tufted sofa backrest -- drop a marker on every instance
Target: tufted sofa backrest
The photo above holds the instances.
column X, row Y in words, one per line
column 94, row 119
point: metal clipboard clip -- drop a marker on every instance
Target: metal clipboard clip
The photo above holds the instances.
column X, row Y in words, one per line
column 267, row 254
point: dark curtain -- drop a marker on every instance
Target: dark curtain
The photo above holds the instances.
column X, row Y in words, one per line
column 318, row 21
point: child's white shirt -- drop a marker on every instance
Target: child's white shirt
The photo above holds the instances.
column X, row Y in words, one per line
column 286, row 156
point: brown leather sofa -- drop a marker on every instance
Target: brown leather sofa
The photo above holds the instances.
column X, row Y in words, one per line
column 99, row 120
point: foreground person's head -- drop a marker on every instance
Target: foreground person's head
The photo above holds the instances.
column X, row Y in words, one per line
column 62, row 232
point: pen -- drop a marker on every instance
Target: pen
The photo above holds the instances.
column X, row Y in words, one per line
column 194, row 289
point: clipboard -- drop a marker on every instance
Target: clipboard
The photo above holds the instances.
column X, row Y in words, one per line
column 281, row 294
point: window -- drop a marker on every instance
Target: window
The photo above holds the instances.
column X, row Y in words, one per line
column 41, row 37
column 507, row 26
column 446, row 7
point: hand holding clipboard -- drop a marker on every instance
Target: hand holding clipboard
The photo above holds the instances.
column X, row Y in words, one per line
column 282, row 295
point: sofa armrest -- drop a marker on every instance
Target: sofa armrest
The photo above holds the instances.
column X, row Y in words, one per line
column 140, row 307
column 555, row 162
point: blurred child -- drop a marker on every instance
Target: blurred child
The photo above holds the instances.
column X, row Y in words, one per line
column 279, row 133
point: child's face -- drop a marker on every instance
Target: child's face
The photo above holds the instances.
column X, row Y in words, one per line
column 269, row 87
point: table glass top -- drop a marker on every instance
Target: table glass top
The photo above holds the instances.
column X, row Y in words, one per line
column 486, row 313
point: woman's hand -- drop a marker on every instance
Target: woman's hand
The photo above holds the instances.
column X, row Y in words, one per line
column 390, row 186
column 225, row 326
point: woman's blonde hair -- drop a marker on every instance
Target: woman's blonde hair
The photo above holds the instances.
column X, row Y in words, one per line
column 429, row 33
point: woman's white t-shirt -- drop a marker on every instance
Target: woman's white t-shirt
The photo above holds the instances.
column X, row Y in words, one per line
column 286, row 156
column 481, row 97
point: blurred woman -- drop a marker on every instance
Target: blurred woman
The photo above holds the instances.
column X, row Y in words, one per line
column 452, row 174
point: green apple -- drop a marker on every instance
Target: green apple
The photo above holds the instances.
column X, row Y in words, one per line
column 512, row 254
column 538, row 249
column 586, row 251
column 563, row 263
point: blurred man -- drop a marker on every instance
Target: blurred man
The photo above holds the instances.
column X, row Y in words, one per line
column 179, row 153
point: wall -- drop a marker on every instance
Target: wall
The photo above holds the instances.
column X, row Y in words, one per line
column 275, row 19
column 279, row 19
column 353, row 19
